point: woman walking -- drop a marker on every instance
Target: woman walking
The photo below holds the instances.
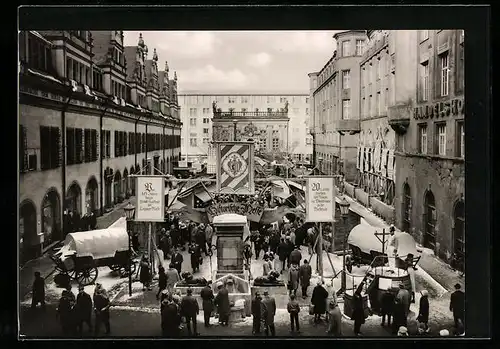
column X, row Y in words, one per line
column 318, row 300
column 145, row 274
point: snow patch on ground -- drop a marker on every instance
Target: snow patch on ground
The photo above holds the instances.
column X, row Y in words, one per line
column 108, row 279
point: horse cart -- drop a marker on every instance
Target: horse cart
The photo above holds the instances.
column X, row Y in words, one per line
column 84, row 252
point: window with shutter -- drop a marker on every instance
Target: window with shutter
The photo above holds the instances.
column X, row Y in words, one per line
column 56, row 149
column 87, row 145
column 143, row 143
column 103, row 144
column 79, row 145
column 23, row 149
column 70, row 146
column 108, row 144
column 117, row 152
column 95, row 145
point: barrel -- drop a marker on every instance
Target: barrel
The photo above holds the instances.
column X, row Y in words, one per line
column 391, row 277
column 348, row 300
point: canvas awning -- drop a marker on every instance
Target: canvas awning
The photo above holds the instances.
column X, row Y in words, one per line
column 202, row 194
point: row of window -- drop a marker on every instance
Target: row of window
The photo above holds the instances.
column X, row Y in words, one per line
column 440, row 139
column 444, row 76
column 118, row 90
column 78, row 71
column 244, row 99
column 375, row 105
column 82, row 145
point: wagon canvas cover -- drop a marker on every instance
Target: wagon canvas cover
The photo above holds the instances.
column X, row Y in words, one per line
column 363, row 236
column 98, row 244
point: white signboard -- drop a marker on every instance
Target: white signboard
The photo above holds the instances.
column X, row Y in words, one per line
column 320, row 199
column 150, row 199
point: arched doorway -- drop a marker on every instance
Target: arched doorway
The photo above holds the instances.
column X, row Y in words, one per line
column 430, row 220
column 51, row 217
column 406, row 207
column 74, row 198
column 126, row 187
column 108, row 182
column 117, row 188
column 91, row 194
column 28, row 246
column 459, row 234
column 132, row 182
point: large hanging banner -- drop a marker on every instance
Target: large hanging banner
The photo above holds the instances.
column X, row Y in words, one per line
column 376, row 158
column 365, row 159
column 150, row 199
column 320, row 199
column 253, row 213
column 212, row 160
column 235, row 168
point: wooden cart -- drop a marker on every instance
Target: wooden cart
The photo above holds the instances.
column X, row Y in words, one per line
column 84, row 252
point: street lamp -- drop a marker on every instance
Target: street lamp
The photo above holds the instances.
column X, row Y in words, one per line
column 129, row 213
column 344, row 212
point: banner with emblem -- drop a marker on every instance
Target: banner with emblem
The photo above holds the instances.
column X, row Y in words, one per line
column 235, row 167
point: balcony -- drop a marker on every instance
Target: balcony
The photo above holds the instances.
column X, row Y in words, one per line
column 398, row 117
column 350, row 126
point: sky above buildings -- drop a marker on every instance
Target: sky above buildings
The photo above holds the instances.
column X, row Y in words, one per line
column 239, row 61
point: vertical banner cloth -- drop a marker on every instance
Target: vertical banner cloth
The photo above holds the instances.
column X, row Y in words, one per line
column 376, row 158
column 358, row 158
column 390, row 165
column 365, row 159
column 385, row 153
column 212, row 160
column 235, row 168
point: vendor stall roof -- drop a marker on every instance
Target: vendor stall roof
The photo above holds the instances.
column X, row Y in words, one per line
column 202, row 194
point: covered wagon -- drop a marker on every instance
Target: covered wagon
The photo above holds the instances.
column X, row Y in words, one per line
column 83, row 252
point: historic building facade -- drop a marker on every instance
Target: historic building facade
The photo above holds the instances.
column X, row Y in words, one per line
column 334, row 93
column 89, row 115
column 388, row 82
column 430, row 148
column 260, row 117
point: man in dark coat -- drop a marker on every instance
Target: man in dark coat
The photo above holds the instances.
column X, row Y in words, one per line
column 101, row 308
column 274, row 241
column 387, row 307
column 135, row 242
column 423, row 311
column 358, row 313
column 201, row 239
column 257, row 243
column 257, row 310
column 83, row 309
column 283, row 253
column 177, row 260
column 38, row 295
column 305, row 273
column 190, row 309
column 457, row 305
column 166, row 244
column 207, row 297
column 162, row 281
column 222, row 303
column 289, row 250
column 65, row 313
column 401, row 309
column 195, row 252
column 295, row 256
column 318, row 300
column 170, row 318
column 269, row 311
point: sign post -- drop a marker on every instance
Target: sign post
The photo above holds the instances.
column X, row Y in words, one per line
column 320, row 207
column 150, row 205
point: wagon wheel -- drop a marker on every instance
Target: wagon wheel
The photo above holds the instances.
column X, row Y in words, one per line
column 124, row 270
column 115, row 267
column 71, row 273
column 87, row 276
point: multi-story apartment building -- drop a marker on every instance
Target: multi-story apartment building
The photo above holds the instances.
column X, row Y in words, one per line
column 430, row 149
column 387, row 80
column 91, row 112
column 335, row 104
column 292, row 136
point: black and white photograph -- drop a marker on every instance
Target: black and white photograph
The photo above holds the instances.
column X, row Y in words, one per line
column 242, row 183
